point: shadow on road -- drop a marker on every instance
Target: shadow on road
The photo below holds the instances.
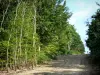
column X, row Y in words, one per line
column 71, row 65
column 69, row 73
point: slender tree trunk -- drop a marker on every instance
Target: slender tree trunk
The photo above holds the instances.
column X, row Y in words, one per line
column 21, row 32
column 16, row 34
column 26, row 52
column 8, row 52
column 4, row 14
column 34, row 35
column 70, row 40
column 39, row 49
column 15, row 51
column 69, row 46
column 20, row 44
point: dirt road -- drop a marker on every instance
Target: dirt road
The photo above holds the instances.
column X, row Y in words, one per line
column 64, row 65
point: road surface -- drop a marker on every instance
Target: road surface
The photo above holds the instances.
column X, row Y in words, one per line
column 64, row 65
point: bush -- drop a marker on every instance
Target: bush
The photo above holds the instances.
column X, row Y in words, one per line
column 42, row 57
column 72, row 52
column 68, row 52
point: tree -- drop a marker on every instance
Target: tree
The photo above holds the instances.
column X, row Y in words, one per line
column 33, row 31
column 93, row 33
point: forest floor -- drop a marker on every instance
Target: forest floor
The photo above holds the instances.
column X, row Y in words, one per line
column 64, row 65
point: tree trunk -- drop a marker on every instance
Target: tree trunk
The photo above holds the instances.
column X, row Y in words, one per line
column 16, row 35
column 4, row 14
column 26, row 54
column 34, row 35
column 8, row 52
column 21, row 32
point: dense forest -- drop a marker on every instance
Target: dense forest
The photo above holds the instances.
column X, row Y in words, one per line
column 35, row 31
column 93, row 41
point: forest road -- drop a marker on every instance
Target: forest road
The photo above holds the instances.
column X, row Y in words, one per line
column 64, row 65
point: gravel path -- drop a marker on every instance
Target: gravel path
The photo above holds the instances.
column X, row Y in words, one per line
column 64, row 65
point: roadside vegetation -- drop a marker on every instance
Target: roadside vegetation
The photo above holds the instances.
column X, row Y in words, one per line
column 35, row 31
column 93, row 41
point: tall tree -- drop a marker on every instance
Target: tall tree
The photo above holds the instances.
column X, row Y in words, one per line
column 93, row 33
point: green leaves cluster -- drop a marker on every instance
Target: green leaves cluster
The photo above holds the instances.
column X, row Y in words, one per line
column 36, row 31
column 93, row 41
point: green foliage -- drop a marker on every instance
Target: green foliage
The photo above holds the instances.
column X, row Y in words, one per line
column 42, row 57
column 3, row 46
column 35, row 31
column 68, row 52
column 51, row 50
column 93, row 33
column 72, row 52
